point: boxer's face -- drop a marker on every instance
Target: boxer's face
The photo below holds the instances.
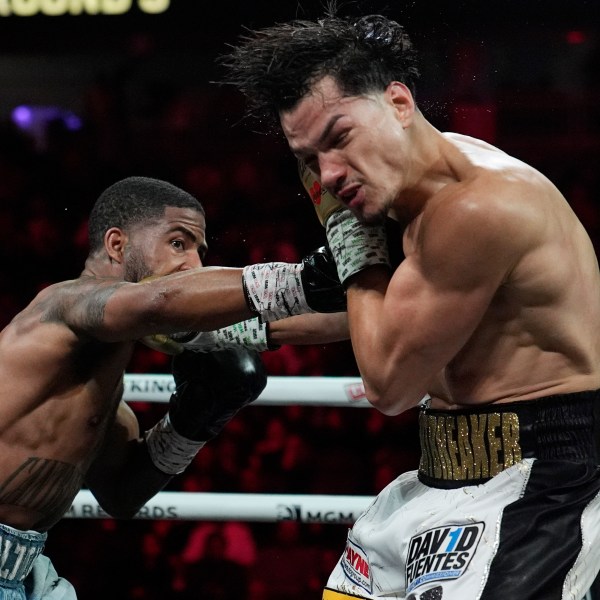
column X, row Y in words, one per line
column 176, row 242
column 355, row 145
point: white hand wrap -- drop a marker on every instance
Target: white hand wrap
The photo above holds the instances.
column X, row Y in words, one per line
column 170, row 452
column 250, row 334
column 355, row 245
column 274, row 290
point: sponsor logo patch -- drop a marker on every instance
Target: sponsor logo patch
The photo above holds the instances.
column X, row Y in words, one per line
column 356, row 566
column 355, row 391
column 297, row 512
column 441, row 553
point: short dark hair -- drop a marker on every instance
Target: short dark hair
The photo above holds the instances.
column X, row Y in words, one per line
column 276, row 66
column 132, row 201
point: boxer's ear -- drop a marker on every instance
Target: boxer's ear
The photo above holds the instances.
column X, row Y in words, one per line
column 400, row 97
column 115, row 240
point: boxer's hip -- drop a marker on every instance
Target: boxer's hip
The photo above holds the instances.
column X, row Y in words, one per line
column 18, row 551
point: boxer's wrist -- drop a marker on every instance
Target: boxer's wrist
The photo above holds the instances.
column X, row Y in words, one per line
column 355, row 245
column 250, row 333
column 278, row 290
column 274, row 290
column 170, row 451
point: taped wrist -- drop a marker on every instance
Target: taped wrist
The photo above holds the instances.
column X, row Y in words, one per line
column 170, row 452
column 249, row 334
column 274, row 290
column 355, row 245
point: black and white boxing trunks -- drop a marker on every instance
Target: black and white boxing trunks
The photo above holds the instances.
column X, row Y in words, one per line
column 505, row 504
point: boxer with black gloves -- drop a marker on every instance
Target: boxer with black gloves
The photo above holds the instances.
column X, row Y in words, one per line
column 210, row 388
column 63, row 358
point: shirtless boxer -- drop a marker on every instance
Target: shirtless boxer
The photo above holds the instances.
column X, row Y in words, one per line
column 62, row 361
column 493, row 318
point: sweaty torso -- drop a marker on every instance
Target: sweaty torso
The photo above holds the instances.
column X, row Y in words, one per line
column 541, row 332
column 59, row 393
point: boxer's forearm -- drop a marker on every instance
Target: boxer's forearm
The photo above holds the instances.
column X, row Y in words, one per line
column 316, row 328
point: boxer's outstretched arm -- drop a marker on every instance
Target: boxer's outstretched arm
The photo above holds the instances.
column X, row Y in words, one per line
column 203, row 299
column 313, row 328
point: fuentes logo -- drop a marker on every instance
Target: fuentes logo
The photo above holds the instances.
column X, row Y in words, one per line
column 441, row 553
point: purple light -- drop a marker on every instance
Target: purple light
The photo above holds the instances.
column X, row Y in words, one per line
column 22, row 116
column 72, row 122
column 35, row 119
column 29, row 117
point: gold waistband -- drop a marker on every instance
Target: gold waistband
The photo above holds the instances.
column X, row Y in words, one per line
column 333, row 595
column 468, row 447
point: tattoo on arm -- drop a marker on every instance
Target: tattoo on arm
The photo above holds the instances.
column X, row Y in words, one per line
column 83, row 306
column 97, row 304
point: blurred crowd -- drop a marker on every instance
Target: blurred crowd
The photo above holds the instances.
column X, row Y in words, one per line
column 256, row 211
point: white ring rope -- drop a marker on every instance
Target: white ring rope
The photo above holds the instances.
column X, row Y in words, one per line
column 208, row 506
column 279, row 391
column 268, row 508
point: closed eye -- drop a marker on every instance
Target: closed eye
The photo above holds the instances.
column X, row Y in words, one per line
column 340, row 139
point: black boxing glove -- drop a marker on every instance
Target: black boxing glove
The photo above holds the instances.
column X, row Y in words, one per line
column 320, row 282
column 278, row 290
column 210, row 388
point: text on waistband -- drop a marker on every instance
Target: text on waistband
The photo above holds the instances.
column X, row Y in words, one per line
column 465, row 447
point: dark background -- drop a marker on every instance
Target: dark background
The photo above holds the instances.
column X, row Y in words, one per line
column 524, row 75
